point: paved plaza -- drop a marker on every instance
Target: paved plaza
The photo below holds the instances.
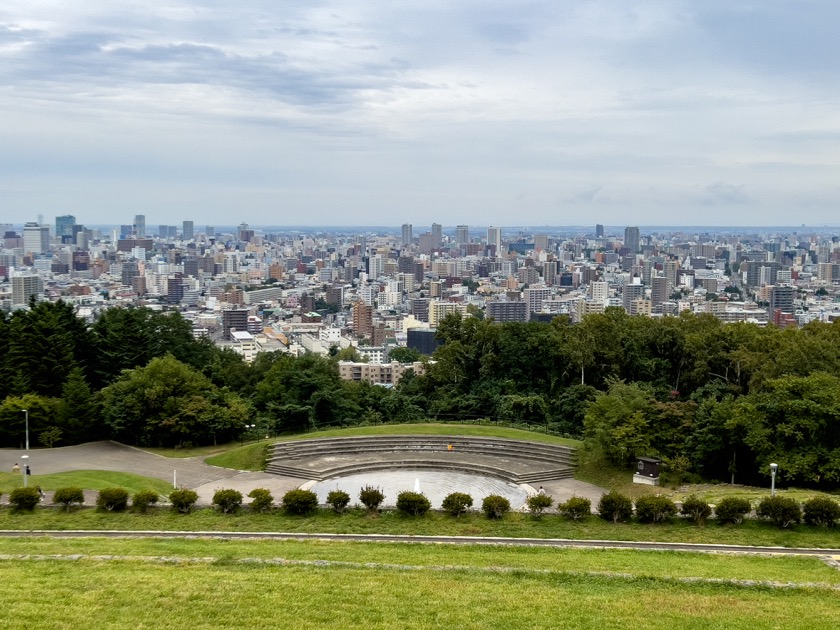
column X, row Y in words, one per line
column 193, row 472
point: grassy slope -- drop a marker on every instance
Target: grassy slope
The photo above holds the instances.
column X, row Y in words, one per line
column 355, row 522
column 88, row 480
column 635, row 563
column 129, row 594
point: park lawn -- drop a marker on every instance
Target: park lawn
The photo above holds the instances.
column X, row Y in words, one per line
column 248, row 457
column 191, row 451
column 87, row 480
column 135, row 594
column 651, row 564
column 515, row 525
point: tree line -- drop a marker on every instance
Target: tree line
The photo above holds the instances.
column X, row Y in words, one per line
column 719, row 401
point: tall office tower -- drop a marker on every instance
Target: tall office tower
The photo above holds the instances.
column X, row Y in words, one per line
column 494, row 237
column 670, row 269
column 36, row 238
column 406, row 233
column 631, row 239
column 437, row 235
column 362, row 319
column 163, row 231
column 187, row 231
column 210, row 231
column 549, row 272
column 64, row 227
column 631, row 293
column 540, row 242
column 647, row 271
column 599, row 231
column 24, row 287
column 130, row 270
column 140, row 225
column 462, row 234
column 660, row 290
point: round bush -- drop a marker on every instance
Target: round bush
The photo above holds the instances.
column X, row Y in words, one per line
column 24, row 499
column 69, row 495
column 696, row 509
column 338, row 500
column 261, row 499
column 654, row 508
column 615, row 507
column 539, row 503
column 732, row 510
column 576, row 508
column 413, row 503
column 371, row 497
column 782, row 511
column 495, row 506
column 143, row 499
column 457, row 503
column 300, row 502
column 183, row 500
column 227, row 500
column 112, row 499
column 821, row 511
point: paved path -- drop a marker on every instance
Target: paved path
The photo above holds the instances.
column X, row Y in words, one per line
column 193, row 472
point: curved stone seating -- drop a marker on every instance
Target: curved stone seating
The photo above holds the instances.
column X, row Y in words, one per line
column 517, row 461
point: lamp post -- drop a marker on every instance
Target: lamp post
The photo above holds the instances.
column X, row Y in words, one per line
column 248, row 429
column 773, row 468
column 26, row 457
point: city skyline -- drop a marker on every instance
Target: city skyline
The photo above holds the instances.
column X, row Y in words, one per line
column 345, row 113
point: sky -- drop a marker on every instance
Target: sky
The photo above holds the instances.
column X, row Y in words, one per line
column 350, row 112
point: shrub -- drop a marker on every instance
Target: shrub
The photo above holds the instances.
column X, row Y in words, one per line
column 696, row 509
column 24, row 499
column 782, row 511
column 821, row 511
column 539, row 503
column 299, row 501
column 654, row 508
column 143, row 499
column 183, row 500
column 371, row 498
column 338, row 500
column 495, row 506
column 732, row 510
column 68, row 496
column 112, row 499
column 457, row 503
column 576, row 508
column 615, row 507
column 261, row 499
column 227, row 500
column 413, row 503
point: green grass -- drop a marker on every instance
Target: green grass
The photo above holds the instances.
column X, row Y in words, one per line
column 248, row 457
column 87, row 480
column 435, row 523
column 650, row 564
column 133, row 594
column 192, row 451
column 713, row 493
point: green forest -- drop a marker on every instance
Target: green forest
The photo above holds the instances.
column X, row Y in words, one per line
column 713, row 400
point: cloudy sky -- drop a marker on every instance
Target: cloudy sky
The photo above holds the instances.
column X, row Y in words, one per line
column 351, row 112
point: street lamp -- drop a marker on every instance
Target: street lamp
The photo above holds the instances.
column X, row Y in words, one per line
column 25, row 469
column 26, row 457
column 773, row 469
column 248, row 427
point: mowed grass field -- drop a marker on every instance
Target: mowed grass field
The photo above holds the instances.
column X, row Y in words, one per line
column 206, row 584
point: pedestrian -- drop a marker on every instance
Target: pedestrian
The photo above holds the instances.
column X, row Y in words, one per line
column 16, row 468
column 40, row 492
column 541, row 491
column 28, row 472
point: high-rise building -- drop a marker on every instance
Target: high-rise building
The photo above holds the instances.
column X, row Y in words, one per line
column 187, row 231
column 632, row 239
column 599, row 231
column 210, row 231
column 36, row 238
column 462, row 234
column 362, row 319
column 437, row 235
column 24, row 287
column 163, row 231
column 406, row 234
column 140, row 225
column 660, row 290
column 64, row 227
column 540, row 242
column 494, row 238
column 234, row 319
column 632, row 292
